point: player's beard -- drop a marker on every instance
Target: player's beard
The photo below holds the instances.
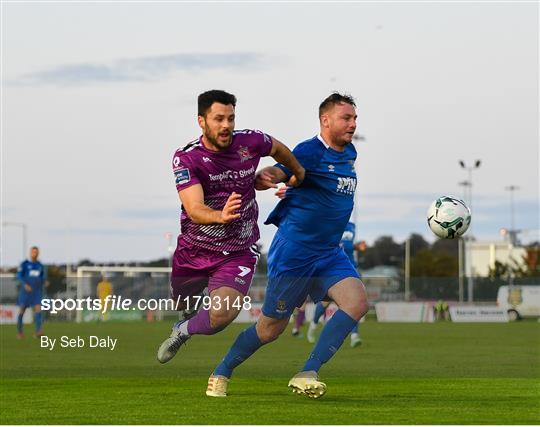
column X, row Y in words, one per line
column 215, row 140
column 341, row 139
column 345, row 137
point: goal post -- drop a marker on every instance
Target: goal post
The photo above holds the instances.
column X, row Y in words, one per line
column 128, row 282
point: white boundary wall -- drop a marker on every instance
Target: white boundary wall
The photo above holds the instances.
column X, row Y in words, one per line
column 478, row 313
column 9, row 313
column 404, row 312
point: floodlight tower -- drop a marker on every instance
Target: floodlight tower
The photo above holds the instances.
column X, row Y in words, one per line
column 465, row 185
column 513, row 231
column 470, row 279
column 461, row 262
column 469, row 184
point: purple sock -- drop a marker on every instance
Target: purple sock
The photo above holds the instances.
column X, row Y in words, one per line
column 200, row 324
column 299, row 320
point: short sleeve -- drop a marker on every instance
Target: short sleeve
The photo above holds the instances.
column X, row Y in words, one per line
column 258, row 141
column 307, row 154
column 265, row 144
column 185, row 174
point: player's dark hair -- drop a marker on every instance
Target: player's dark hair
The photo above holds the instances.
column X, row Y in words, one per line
column 206, row 100
column 34, row 247
column 334, row 99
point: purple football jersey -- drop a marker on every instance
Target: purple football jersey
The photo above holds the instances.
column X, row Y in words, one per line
column 220, row 173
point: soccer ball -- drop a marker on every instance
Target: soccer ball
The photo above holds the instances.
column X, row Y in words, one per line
column 449, row 217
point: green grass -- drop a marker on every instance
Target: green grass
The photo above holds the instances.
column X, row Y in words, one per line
column 403, row 374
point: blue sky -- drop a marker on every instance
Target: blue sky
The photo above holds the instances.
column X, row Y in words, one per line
column 97, row 96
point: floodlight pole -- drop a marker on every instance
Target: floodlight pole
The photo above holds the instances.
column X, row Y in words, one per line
column 461, row 241
column 465, row 185
column 408, row 269
column 513, row 234
column 468, row 257
column 460, row 268
column 170, row 250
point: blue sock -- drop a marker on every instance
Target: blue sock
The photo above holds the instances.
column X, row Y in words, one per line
column 319, row 311
column 246, row 344
column 354, row 330
column 38, row 319
column 19, row 323
column 332, row 336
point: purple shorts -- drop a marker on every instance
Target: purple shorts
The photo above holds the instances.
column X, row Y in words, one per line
column 195, row 268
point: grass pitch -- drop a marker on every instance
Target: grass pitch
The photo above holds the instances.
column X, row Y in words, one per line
column 440, row 373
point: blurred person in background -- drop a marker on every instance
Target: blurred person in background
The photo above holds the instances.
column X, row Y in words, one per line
column 33, row 276
column 104, row 289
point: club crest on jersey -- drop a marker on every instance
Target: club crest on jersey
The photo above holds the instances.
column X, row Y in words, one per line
column 244, row 154
column 281, row 306
column 182, row 176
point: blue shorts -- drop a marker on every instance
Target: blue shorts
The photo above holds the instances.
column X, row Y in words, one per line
column 294, row 272
column 29, row 299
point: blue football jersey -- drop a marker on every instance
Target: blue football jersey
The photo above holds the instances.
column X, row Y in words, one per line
column 347, row 241
column 316, row 212
column 33, row 273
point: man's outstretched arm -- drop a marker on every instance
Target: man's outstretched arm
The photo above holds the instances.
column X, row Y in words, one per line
column 271, row 175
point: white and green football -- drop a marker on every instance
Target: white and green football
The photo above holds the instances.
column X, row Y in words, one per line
column 449, row 217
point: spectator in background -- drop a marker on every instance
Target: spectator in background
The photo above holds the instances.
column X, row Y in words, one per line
column 33, row 276
column 442, row 311
column 104, row 289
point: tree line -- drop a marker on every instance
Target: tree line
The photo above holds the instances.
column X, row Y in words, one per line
column 438, row 259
